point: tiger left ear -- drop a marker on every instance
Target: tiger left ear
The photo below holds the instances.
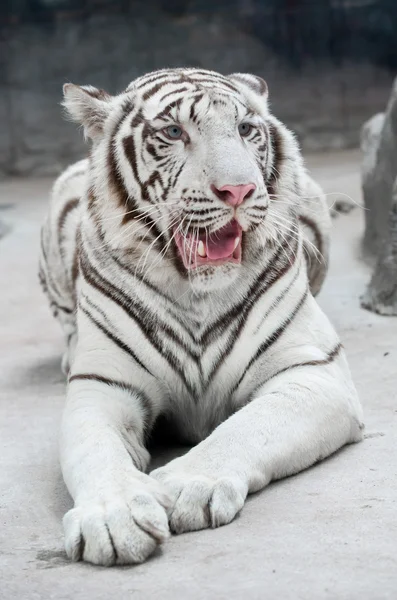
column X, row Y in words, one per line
column 87, row 106
column 253, row 82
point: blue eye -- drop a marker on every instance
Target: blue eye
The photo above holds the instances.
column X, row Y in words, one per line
column 174, row 132
column 244, row 129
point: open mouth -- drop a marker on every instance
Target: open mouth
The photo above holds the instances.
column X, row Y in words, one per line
column 216, row 248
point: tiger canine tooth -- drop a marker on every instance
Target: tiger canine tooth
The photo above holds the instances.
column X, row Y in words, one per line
column 236, row 243
column 201, row 249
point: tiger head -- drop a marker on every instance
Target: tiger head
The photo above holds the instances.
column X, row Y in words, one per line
column 187, row 170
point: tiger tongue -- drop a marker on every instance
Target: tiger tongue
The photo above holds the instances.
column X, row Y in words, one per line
column 221, row 243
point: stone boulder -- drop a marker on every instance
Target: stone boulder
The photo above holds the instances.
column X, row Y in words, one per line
column 379, row 184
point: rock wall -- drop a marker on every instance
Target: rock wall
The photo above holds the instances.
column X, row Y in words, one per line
column 379, row 182
column 324, row 104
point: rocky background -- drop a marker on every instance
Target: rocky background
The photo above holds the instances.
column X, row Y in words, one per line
column 328, row 63
column 379, row 186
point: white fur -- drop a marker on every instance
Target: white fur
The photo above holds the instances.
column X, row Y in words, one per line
column 281, row 417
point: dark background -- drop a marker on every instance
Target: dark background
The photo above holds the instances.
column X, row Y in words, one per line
column 329, row 63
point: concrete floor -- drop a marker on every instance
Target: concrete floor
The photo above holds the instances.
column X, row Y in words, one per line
column 328, row 533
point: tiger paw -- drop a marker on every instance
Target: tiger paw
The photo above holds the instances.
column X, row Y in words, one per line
column 118, row 530
column 201, row 501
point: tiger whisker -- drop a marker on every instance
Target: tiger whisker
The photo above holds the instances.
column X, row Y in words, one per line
column 124, row 232
column 146, row 254
column 146, row 211
column 166, row 247
column 314, row 248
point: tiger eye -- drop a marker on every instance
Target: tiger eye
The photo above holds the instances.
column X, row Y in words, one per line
column 244, row 129
column 174, row 132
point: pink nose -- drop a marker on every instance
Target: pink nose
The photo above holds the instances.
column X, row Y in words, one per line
column 234, row 194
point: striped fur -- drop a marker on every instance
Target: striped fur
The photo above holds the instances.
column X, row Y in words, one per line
column 237, row 356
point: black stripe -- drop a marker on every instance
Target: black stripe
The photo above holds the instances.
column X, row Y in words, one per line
column 130, row 152
column 51, row 284
column 128, row 304
column 276, row 143
column 280, row 297
column 316, row 232
column 155, row 88
column 166, row 111
column 120, row 384
column 68, row 207
column 237, row 329
column 145, row 281
column 278, row 265
column 257, row 208
column 74, row 273
column 176, row 177
column 48, row 284
column 99, row 94
column 272, row 339
column 61, row 307
column 315, row 268
column 202, row 211
column 215, row 81
column 116, row 181
column 193, row 71
column 154, row 177
column 149, row 328
column 202, row 224
column 175, row 91
column 116, row 340
column 97, row 309
column 192, row 114
column 310, row 363
column 161, row 75
column 153, row 151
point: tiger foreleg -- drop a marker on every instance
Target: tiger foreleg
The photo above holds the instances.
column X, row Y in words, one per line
column 294, row 421
column 68, row 355
column 119, row 514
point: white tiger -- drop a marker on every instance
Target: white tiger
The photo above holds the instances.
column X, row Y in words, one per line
column 175, row 258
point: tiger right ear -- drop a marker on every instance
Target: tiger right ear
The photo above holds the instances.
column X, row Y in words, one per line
column 253, row 82
column 88, row 106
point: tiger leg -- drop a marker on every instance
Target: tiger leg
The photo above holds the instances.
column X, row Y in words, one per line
column 58, row 266
column 70, row 333
column 295, row 420
column 60, row 297
column 119, row 514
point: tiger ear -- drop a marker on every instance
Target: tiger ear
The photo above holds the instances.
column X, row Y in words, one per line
column 88, row 106
column 253, row 82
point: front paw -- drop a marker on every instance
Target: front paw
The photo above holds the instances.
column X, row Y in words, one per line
column 121, row 529
column 201, row 501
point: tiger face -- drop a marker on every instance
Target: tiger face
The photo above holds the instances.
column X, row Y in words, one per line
column 183, row 167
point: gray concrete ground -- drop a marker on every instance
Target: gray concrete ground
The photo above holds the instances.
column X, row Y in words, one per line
column 328, row 533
